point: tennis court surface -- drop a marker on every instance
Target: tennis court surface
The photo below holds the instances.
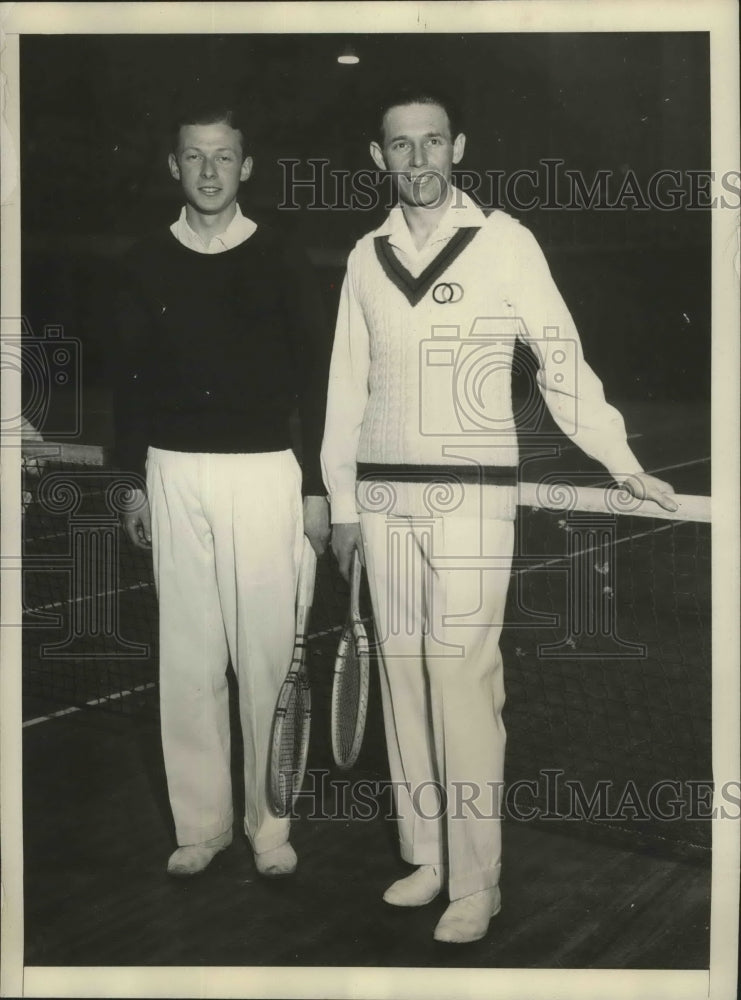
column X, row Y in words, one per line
column 608, row 677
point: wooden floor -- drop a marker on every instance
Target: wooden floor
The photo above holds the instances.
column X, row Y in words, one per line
column 98, row 833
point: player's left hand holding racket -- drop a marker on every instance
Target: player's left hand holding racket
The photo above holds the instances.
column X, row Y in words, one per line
column 292, row 719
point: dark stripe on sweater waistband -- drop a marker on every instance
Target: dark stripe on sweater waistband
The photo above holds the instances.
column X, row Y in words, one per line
column 484, row 475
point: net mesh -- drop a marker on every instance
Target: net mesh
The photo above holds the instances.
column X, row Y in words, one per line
column 89, row 601
column 606, row 645
column 607, row 657
column 90, row 620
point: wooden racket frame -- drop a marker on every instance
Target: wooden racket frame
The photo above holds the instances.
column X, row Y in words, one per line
column 281, row 800
column 353, row 633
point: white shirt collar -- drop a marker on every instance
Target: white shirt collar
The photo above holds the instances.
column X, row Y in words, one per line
column 462, row 212
column 238, row 230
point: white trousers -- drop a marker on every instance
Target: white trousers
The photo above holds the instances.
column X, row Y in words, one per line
column 226, row 539
column 438, row 589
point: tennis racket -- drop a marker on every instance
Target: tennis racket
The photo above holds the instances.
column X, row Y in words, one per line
column 351, row 680
column 292, row 719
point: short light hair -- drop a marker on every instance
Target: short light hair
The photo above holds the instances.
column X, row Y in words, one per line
column 208, row 109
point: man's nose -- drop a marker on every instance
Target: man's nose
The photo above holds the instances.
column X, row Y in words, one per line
column 419, row 156
column 208, row 169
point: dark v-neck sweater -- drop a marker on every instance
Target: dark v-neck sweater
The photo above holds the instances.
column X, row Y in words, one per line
column 214, row 351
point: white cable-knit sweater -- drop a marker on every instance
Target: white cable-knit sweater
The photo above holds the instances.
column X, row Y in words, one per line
column 430, row 384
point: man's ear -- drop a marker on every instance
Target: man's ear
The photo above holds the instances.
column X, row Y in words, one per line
column 174, row 168
column 458, row 147
column 377, row 153
column 246, row 168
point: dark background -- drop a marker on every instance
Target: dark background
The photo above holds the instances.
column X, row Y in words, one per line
column 95, row 120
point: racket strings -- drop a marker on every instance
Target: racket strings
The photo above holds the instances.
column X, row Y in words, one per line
column 348, row 700
column 293, row 742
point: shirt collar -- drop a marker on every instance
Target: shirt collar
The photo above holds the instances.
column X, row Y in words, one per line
column 462, row 213
column 238, row 230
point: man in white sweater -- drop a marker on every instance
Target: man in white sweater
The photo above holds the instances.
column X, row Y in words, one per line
column 419, row 459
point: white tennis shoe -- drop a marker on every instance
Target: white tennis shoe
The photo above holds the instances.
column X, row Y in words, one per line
column 278, row 862
column 417, row 889
column 467, row 919
column 194, row 858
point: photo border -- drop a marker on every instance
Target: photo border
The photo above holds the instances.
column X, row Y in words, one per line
column 720, row 19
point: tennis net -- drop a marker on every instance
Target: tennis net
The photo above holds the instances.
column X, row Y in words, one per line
column 90, row 621
column 607, row 653
column 606, row 646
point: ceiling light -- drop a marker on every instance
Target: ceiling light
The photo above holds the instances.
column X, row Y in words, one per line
column 348, row 57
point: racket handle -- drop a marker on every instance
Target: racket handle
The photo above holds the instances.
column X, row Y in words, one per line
column 306, row 576
column 357, row 572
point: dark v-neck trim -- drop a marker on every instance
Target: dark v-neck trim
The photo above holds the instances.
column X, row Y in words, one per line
column 415, row 289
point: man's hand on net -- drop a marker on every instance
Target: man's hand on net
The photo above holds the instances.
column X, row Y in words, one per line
column 646, row 487
column 136, row 520
column 345, row 539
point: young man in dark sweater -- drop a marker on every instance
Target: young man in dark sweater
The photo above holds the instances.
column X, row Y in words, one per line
column 220, row 331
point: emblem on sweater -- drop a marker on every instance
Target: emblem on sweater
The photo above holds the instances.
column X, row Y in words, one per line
column 447, row 291
column 415, row 289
